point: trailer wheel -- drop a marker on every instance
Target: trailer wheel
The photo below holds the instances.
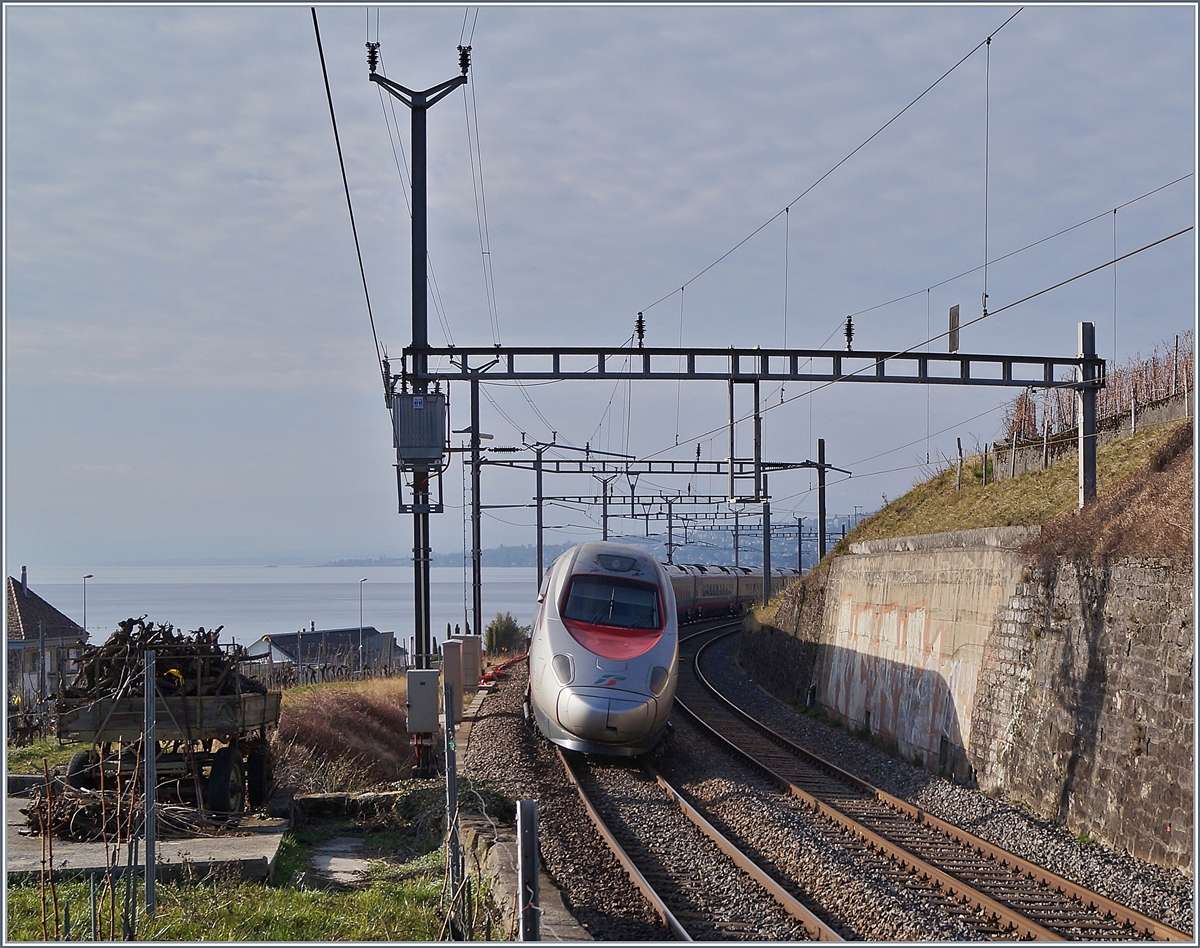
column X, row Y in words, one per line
column 259, row 774
column 227, row 782
column 80, row 771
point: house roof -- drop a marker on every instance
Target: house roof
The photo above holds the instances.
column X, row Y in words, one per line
column 327, row 642
column 26, row 609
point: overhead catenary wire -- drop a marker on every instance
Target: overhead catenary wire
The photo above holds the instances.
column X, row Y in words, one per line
column 903, row 352
column 841, row 162
column 1012, row 253
column 349, row 204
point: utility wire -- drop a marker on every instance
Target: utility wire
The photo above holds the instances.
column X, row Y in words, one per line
column 850, row 155
column 916, row 346
column 1011, row 253
column 346, row 185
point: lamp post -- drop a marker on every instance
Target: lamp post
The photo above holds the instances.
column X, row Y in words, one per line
column 360, row 644
column 85, row 579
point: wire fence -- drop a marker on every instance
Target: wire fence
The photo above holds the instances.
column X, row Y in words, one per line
column 1141, row 382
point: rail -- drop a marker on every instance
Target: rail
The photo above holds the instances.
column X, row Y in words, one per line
column 991, row 879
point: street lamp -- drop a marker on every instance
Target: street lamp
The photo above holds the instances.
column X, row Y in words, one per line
column 85, row 579
column 360, row 644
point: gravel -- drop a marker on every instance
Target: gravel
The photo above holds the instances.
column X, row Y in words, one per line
column 506, row 754
column 858, row 893
column 855, row 891
column 712, row 898
column 1163, row 894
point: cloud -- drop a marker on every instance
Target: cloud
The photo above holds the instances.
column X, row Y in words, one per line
column 182, row 283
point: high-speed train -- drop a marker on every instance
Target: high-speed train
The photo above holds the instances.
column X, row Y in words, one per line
column 704, row 591
column 604, row 649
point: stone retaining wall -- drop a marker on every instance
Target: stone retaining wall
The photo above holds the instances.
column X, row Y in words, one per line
column 1067, row 690
column 1083, row 712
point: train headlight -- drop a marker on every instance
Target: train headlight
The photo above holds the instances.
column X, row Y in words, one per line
column 564, row 668
column 658, row 680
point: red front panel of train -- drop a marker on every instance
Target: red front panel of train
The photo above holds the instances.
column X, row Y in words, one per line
column 613, row 617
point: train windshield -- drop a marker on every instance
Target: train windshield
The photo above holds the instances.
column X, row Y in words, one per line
column 613, row 602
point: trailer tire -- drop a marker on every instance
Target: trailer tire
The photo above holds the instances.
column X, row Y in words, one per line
column 259, row 774
column 80, row 771
column 227, row 782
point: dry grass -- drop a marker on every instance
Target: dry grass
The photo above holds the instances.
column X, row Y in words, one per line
column 343, row 737
column 1033, row 498
column 1147, row 515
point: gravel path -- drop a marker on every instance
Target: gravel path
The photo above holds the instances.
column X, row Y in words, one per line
column 1163, row 894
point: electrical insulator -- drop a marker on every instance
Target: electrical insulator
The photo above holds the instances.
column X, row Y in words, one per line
column 640, row 328
column 849, row 333
column 372, row 56
column 464, row 58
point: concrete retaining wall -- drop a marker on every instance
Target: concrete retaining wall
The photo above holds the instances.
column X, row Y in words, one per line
column 1068, row 690
column 905, row 625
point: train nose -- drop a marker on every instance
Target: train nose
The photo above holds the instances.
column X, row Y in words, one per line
column 599, row 716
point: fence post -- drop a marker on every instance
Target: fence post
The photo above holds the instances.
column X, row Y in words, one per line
column 527, row 873
column 958, row 483
column 1175, row 368
column 452, row 846
column 1045, row 435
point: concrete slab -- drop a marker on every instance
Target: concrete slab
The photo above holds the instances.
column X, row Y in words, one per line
column 248, row 850
column 338, row 861
column 492, row 849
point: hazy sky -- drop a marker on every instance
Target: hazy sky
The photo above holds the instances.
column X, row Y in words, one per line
column 189, row 367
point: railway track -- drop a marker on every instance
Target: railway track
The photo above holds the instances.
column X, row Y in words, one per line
column 701, row 886
column 1007, row 897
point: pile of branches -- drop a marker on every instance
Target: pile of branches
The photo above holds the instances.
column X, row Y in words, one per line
column 186, row 663
column 90, row 815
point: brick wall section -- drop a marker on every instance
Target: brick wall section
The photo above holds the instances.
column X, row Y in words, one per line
column 1084, row 707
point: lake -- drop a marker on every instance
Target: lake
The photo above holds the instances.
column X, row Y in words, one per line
column 252, row 601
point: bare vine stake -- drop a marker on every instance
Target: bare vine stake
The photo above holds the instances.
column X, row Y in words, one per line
column 49, row 832
column 42, row 875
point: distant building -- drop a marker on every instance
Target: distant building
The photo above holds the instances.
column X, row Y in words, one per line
column 43, row 645
column 325, row 648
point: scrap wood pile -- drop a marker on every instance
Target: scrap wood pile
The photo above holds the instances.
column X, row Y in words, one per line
column 88, row 815
column 187, row 663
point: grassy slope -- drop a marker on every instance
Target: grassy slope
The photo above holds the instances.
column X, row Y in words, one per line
column 1034, row 498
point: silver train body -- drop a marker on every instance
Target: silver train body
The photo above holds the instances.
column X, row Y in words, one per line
column 603, row 656
column 604, row 651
